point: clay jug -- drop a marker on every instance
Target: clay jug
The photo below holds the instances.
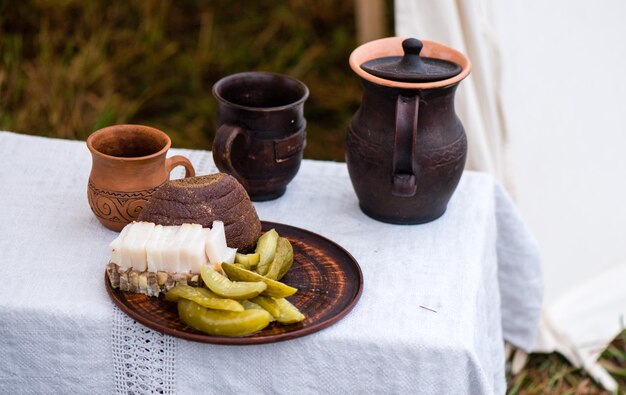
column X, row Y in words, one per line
column 406, row 147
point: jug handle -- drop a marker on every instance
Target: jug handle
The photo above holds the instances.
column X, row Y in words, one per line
column 404, row 183
column 222, row 149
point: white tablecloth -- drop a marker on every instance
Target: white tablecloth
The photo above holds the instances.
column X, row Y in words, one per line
column 437, row 302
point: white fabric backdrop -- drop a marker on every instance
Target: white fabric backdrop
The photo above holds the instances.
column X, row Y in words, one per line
column 562, row 140
column 466, row 27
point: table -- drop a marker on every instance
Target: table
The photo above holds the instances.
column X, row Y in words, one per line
column 437, row 302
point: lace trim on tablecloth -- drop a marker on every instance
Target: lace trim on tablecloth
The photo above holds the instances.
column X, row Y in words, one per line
column 143, row 359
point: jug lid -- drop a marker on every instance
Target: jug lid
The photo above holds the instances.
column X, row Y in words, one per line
column 411, row 67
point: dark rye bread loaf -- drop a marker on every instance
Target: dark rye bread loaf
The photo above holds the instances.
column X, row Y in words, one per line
column 202, row 200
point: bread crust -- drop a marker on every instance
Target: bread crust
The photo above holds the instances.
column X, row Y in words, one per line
column 202, row 200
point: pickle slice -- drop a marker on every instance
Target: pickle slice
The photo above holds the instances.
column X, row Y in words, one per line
column 280, row 308
column 203, row 297
column 223, row 287
column 274, row 288
column 266, row 248
column 268, row 303
column 289, row 314
column 247, row 260
column 249, row 305
column 220, row 322
column 283, row 259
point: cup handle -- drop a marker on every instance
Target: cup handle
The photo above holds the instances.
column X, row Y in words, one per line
column 179, row 160
column 404, row 182
column 222, row 149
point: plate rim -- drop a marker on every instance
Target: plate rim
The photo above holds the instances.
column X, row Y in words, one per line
column 245, row 340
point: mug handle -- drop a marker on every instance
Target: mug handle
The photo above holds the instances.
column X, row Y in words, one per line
column 404, row 182
column 222, row 149
column 179, row 160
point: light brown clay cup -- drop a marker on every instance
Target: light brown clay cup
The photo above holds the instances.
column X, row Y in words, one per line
column 128, row 165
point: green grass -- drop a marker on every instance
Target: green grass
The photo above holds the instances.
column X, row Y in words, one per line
column 552, row 374
column 69, row 67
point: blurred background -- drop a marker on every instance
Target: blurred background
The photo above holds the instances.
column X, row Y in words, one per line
column 70, row 67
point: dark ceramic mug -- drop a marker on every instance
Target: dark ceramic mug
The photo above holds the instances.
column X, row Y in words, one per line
column 261, row 130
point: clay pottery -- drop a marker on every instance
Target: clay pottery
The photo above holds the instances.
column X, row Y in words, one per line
column 128, row 164
column 260, row 130
column 406, row 147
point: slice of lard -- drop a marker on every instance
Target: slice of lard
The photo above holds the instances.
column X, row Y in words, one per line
column 216, row 248
column 163, row 252
column 184, row 249
column 134, row 245
column 229, row 255
column 126, row 247
column 169, row 249
column 153, row 250
column 193, row 249
column 116, row 246
column 173, row 249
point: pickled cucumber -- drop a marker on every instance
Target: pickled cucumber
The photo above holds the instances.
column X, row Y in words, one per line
column 220, row 322
column 280, row 308
column 274, row 288
column 268, row 303
column 247, row 260
column 283, row 259
column 223, row 287
column 249, row 305
column 266, row 248
column 289, row 314
column 203, row 297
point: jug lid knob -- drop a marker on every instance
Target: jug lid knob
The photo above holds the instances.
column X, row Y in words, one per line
column 411, row 67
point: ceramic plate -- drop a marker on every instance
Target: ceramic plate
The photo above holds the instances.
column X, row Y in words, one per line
column 328, row 279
